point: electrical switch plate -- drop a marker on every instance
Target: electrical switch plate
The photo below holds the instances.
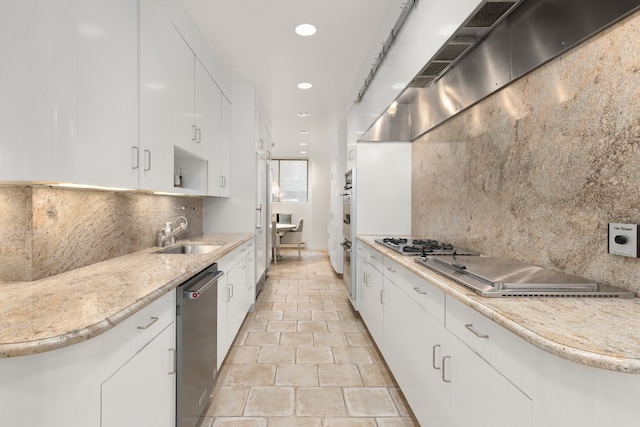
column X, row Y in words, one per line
column 623, row 239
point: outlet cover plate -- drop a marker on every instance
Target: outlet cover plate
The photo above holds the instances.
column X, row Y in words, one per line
column 623, row 239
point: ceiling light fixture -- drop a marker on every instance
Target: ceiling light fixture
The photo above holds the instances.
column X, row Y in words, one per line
column 305, row 30
column 304, row 85
column 303, row 152
column 303, row 143
column 303, row 114
column 303, row 132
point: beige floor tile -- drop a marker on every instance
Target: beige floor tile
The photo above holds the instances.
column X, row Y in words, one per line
column 352, row 355
column 287, row 291
column 297, row 315
column 321, row 298
column 297, row 375
column 349, row 422
column 359, row 339
column 228, row 401
column 282, row 325
column 325, row 315
column 255, row 325
column 269, row 315
column 312, row 326
column 314, row 355
column 277, row 355
column 240, row 339
column 320, row 402
column 347, row 315
column 376, row 375
column 401, row 402
column 342, row 326
column 272, row 298
column 369, row 402
column 262, row 338
column 270, row 401
column 252, row 375
column 337, row 306
column 332, row 292
column 339, row 375
column 243, row 354
column 329, row 339
column 239, row 422
column 298, row 298
column 285, row 306
column 311, row 306
column 262, row 306
column 309, row 292
column 296, row 338
column 295, row 422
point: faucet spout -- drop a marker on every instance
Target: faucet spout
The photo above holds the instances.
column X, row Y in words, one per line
column 168, row 234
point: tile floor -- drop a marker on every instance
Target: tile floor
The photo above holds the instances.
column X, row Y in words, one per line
column 305, row 358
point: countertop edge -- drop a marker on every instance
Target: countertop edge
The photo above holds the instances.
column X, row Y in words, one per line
column 25, row 348
column 578, row 355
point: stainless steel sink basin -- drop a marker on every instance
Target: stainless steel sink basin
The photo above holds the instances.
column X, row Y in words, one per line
column 192, row 249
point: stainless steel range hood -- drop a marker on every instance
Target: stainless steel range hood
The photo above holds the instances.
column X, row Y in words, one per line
column 499, row 43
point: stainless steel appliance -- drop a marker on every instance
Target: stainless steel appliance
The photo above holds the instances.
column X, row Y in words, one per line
column 424, row 247
column 346, row 233
column 196, row 345
column 504, row 277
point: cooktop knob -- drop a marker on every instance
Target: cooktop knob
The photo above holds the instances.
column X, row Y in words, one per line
column 621, row 240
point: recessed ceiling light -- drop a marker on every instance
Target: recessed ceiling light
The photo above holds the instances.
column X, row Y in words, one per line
column 305, row 30
column 303, row 152
column 303, row 132
column 303, row 114
column 303, row 143
column 305, row 85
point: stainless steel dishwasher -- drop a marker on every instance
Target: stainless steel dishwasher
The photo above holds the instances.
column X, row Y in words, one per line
column 196, row 343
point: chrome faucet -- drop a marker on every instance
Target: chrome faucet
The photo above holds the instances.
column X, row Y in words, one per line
column 167, row 236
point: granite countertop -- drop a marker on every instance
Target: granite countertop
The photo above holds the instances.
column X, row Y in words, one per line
column 602, row 333
column 71, row 307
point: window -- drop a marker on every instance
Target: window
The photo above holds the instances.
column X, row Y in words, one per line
column 290, row 181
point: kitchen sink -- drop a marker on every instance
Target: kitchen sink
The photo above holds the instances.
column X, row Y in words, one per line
column 192, row 249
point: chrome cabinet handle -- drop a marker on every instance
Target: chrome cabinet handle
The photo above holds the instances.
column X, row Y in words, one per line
column 475, row 332
column 194, row 133
column 433, row 356
column 373, row 257
column 147, row 156
column 230, row 290
column 383, row 294
column 444, row 368
column 198, row 135
column 175, row 362
column 153, row 320
column 136, row 157
column 391, row 269
column 420, row 291
column 366, row 279
column 227, row 295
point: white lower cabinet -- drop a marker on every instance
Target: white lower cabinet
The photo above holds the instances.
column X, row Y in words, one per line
column 141, row 392
column 370, row 292
column 123, row 377
column 236, row 294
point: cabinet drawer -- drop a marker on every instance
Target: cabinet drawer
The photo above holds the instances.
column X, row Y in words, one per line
column 515, row 358
column 427, row 296
column 151, row 320
column 376, row 259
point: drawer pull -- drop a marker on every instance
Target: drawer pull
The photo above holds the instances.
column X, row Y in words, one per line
column 391, row 269
column 444, row 368
column 174, row 363
column 433, row 356
column 475, row 332
column 153, row 320
column 420, row 291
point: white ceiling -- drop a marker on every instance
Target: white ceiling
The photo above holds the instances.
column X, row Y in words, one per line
column 255, row 41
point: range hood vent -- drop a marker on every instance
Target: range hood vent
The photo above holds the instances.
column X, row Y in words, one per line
column 499, row 43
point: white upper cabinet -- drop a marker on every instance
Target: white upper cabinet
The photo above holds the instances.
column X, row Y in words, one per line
column 160, row 44
column 106, row 93
column 37, row 83
column 219, row 164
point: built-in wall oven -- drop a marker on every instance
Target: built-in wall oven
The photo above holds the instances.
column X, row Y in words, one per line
column 346, row 232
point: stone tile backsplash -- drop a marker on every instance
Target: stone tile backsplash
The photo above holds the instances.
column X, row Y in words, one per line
column 537, row 170
column 49, row 230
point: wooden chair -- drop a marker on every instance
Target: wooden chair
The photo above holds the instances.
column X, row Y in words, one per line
column 294, row 237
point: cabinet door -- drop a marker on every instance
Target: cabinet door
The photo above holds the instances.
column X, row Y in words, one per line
column 184, row 102
column 161, row 48
column 107, row 93
column 237, row 284
column 223, row 309
column 142, row 391
column 476, row 388
column 370, row 301
column 219, row 168
column 208, row 112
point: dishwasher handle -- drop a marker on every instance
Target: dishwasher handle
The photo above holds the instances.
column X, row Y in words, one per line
column 195, row 293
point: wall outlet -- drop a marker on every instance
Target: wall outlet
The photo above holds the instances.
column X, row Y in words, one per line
column 623, row 239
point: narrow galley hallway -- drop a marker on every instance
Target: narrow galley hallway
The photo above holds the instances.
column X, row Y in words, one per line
column 304, row 358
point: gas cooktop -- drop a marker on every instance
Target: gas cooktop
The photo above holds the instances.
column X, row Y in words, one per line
column 410, row 246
